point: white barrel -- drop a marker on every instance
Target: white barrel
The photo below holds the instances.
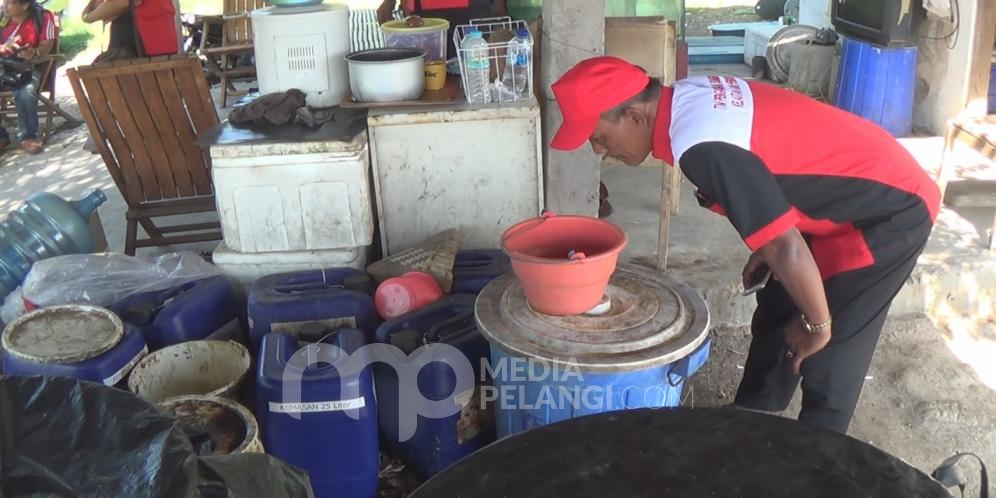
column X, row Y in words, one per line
column 303, row 48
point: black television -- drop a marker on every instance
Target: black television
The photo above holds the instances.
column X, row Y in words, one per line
column 889, row 23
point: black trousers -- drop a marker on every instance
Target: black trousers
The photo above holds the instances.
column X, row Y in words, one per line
column 859, row 302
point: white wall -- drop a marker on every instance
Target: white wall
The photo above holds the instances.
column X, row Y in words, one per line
column 943, row 73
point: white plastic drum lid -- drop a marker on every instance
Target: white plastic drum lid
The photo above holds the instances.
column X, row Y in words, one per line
column 654, row 321
column 63, row 334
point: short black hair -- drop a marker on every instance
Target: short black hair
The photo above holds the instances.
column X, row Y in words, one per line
column 650, row 93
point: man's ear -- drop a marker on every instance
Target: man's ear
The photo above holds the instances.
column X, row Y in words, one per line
column 636, row 116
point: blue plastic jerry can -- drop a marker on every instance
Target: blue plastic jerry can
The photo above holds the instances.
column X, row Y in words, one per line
column 203, row 309
column 474, row 270
column 437, row 442
column 326, row 423
column 333, row 298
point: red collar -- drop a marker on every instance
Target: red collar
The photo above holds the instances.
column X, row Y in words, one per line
column 662, row 128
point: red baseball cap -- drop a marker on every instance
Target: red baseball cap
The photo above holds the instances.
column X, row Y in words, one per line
column 587, row 90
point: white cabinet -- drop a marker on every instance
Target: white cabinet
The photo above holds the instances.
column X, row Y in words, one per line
column 476, row 169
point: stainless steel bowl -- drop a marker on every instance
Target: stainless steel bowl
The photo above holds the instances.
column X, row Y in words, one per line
column 386, row 74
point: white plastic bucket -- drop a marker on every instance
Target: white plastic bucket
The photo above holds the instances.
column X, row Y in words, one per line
column 209, row 368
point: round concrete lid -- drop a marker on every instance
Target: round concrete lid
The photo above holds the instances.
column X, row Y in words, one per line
column 654, row 320
column 63, row 334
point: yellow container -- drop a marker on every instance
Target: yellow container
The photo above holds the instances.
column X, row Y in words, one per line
column 435, row 75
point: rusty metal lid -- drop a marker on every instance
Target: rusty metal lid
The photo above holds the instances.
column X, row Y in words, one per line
column 63, row 334
column 653, row 320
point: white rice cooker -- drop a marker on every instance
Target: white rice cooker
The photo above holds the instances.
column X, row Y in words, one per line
column 303, row 48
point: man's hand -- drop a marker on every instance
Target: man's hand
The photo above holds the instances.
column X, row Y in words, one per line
column 802, row 344
column 385, row 11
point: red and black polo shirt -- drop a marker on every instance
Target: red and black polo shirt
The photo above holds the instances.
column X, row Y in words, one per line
column 771, row 159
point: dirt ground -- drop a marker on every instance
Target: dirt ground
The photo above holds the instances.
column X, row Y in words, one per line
column 919, row 402
column 698, row 20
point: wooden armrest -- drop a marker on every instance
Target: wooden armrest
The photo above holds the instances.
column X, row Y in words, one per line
column 235, row 15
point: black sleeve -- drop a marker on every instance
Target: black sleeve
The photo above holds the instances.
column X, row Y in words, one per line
column 739, row 182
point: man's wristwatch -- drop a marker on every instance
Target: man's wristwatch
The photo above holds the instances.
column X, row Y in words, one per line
column 816, row 328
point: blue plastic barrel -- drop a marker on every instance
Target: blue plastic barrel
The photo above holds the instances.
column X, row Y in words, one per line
column 83, row 342
column 656, row 387
column 327, row 431
column 43, row 227
column 878, row 84
column 334, row 298
column 203, row 309
column 635, row 353
column 437, row 443
column 475, row 269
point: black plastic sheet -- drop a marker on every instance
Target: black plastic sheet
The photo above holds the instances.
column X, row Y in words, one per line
column 680, row 453
column 69, row 438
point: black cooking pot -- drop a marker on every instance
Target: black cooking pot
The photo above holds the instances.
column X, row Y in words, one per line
column 680, row 453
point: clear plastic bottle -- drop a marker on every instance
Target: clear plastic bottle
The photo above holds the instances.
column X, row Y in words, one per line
column 478, row 66
column 523, row 57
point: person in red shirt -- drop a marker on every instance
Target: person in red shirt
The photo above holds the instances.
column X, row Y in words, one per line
column 828, row 202
column 28, row 32
column 154, row 21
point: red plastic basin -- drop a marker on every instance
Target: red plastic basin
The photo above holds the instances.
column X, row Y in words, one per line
column 564, row 262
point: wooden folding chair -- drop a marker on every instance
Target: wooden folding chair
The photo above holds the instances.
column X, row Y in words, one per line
column 45, row 67
column 236, row 40
column 145, row 116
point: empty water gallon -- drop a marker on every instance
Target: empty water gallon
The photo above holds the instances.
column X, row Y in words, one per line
column 437, row 442
column 44, row 226
column 474, row 270
column 84, row 342
column 317, row 417
column 203, row 309
column 335, row 298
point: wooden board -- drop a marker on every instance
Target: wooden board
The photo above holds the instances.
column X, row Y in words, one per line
column 451, row 94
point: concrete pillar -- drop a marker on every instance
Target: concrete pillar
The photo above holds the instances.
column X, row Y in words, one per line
column 573, row 30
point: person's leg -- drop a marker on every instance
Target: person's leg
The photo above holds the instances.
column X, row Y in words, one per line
column 768, row 382
column 859, row 303
column 26, row 101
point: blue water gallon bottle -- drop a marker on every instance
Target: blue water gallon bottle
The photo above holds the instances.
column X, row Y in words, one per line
column 44, row 226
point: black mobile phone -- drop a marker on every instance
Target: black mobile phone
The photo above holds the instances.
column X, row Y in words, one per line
column 758, row 280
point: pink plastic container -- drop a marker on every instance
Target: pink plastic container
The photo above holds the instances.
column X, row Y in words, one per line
column 409, row 292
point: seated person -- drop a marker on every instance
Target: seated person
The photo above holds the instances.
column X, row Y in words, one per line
column 28, row 33
column 457, row 12
column 154, row 20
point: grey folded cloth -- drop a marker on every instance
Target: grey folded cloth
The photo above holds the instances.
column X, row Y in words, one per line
column 271, row 109
column 278, row 109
